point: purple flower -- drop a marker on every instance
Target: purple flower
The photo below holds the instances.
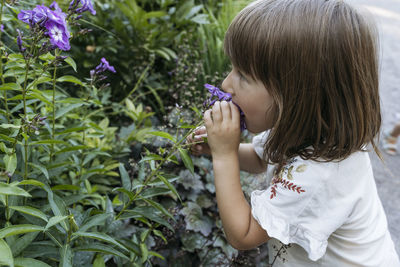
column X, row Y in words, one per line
column 19, row 42
column 39, row 15
column 2, row 27
column 218, row 95
column 86, row 5
column 104, row 66
column 53, row 20
column 26, row 16
column 59, row 36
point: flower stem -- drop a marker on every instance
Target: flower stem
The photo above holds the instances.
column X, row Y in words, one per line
column 155, row 171
column 53, row 128
column 1, row 64
column 24, row 91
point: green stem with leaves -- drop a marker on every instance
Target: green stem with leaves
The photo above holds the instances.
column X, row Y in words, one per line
column 53, row 102
column 174, row 149
column 1, row 64
column 26, row 137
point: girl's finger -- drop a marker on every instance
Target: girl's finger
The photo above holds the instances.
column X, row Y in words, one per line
column 226, row 110
column 235, row 113
column 208, row 119
column 200, row 130
column 200, row 137
column 216, row 112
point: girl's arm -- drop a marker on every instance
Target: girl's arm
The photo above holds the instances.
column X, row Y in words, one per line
column 223, row 128
column 249, row 160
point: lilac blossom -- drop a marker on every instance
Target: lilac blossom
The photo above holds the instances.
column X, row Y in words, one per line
column 86, row 6
column 53, row 19
column 218, row 95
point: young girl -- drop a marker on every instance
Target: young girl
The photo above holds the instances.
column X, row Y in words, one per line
column 305, row 75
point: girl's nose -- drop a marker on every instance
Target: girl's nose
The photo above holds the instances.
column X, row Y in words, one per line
column 227, row 84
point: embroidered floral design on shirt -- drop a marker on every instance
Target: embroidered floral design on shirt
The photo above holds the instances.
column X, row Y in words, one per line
column 287, row 170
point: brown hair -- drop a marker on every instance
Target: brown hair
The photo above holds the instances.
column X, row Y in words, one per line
column 318, row 60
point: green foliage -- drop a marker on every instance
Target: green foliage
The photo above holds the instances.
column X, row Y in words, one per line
column 87, row 174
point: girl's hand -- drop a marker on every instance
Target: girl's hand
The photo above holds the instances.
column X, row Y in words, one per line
column 198, row 142
column 223, row 129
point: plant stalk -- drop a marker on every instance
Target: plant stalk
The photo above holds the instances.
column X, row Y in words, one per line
column 53, row 128
column 1, row 64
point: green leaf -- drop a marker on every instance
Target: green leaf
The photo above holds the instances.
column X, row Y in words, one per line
column 126, row 192
column 187, row 160
column 12, row 189
column 10, row 162
column 126, row 181
column 10, row 86
column 23, row 242
column 144, row 251
column 192, row 241
column 9, row 126
column 71, row 148
column 19, row 229
column 42, row 169
column 201, row 19
column 31, row 182
column 146, row 212
column 195, row 220
column 99, row 236
column 72, row 130
column 66, row 109
column 66, row 256
column 47, row 57
column 169, row 185
column 160, row 234
column 158, row 206
column 31, row 211
column 55, row 220
column 99, row 261
column 57, row 205
column 101, row 248
column 69, row 187
column 28, row 262
column 6, row 256
column 95, row 220
column 47, row 142
column 71, row 79
column 164, row 135
column 71, row 62
column 152, row 253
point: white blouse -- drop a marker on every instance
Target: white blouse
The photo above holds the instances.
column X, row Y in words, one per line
column 324, row 214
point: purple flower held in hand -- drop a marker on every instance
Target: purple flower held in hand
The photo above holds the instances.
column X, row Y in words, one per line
column 218, row 95
column 86, row 5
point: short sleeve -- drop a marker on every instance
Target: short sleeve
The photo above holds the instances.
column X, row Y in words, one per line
column 305, row 203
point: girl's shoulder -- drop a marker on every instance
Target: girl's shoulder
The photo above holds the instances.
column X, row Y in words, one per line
column 316, row 176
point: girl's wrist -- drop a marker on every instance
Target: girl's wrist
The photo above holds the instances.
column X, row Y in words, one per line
column 224, row 160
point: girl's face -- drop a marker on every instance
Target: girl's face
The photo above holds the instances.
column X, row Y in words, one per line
column 253, row 98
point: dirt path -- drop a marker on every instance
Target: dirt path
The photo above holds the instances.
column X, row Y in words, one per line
column 387, row 174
